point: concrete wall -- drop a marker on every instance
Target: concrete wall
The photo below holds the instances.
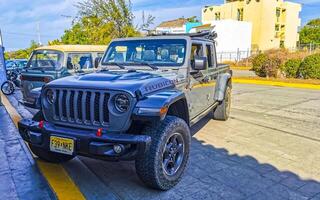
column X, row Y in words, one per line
column 234, row 39
column 262, row 15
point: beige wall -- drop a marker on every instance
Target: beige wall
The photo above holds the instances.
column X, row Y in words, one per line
column 262, row 15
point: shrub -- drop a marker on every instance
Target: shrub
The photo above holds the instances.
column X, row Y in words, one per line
column 265, row 65
column 310, row 67
column 291, row 68
column 258, row 64
column 273, row 67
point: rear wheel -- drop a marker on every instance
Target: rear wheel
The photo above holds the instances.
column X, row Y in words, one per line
column 7, row 88
column 162, row 166
column 222, row 111
column 50, row 156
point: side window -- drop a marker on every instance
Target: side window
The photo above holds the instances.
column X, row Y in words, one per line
column 79, row 61
column 210, row 55
column 196, row 51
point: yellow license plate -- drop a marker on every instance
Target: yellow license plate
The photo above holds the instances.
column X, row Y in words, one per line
column 61, row 145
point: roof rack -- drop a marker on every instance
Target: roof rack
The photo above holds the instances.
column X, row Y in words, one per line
column 210, row 34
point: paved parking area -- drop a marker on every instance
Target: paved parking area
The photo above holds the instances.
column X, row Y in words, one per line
column 269, row 149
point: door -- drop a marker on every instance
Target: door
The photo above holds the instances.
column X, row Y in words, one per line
column 199, row 89
column 212, row 72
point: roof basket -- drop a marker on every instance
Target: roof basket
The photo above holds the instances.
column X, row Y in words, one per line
column 207, row 34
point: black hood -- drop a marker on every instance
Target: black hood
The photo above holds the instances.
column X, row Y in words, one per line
column 131, row 82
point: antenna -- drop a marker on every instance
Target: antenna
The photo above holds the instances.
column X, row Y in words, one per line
column 38, row 33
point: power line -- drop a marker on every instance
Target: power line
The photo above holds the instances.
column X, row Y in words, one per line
column 27, row 34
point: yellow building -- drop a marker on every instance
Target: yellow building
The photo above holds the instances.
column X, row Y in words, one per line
column 275, row 22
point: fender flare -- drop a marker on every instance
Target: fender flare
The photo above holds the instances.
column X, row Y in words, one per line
column 151, row 104
column 222, row 81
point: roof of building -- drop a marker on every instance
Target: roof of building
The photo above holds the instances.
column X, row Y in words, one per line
column 204, row 26
column 75, row 48
column 173, row 23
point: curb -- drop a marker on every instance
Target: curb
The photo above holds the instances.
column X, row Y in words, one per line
column 276, row 83
column 58, row 179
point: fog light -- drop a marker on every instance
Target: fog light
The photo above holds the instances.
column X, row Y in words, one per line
column 118, row 148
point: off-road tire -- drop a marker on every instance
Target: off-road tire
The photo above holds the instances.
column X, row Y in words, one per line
column 149, row 166
column 222, row 111
column 50, row 156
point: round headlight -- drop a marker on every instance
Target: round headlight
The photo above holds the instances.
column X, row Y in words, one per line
column 122, row 102
column 50, row 96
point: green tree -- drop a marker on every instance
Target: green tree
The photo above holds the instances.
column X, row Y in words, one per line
column 99, row 21
column 310, row 33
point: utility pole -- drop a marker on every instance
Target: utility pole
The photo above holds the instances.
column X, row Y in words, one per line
column 1, row 41
column 38, row 33
column 2, row 64
column 143, row 18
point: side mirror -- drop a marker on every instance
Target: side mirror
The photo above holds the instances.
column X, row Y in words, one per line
column 200, row 63
column 96, row 62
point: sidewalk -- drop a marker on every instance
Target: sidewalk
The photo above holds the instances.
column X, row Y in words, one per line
column 20, row 178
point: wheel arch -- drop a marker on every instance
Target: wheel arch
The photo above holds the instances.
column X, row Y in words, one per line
column 223, row 81
column 174, row 100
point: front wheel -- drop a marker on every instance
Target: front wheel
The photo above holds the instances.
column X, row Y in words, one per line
column 162, row 166
column 7, row 88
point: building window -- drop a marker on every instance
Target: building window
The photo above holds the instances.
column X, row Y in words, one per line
column 281, row 44
column 278, row 14
column 240, row 14
column 217, row 16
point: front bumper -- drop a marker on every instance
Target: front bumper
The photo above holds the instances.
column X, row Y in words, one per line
column 86, row 142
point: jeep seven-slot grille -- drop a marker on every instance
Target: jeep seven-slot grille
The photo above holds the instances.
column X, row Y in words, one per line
column 81, row 107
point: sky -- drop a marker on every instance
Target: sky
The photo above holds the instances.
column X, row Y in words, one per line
column 20, row 20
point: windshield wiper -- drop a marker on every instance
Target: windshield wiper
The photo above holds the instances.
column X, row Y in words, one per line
column 117, row 64
column 147, row 64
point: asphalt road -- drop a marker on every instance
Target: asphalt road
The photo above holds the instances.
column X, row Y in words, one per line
column 269, row 149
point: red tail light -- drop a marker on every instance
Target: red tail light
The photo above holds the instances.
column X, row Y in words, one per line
column 99, row 132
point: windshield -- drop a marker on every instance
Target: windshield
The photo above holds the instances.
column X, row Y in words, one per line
column 158, row 52
column 45, row 60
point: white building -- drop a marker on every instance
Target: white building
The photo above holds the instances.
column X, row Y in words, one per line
column 234, row 38
column 177, row 26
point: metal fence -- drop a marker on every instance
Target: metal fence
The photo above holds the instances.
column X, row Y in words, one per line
column 240, row 55
column 236, row 56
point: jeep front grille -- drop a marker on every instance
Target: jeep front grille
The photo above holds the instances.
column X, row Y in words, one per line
column 81, row 107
